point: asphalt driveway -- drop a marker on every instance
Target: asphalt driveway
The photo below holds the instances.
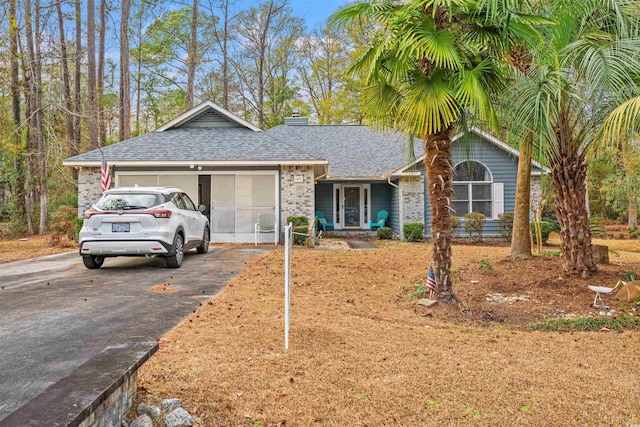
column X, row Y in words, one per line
column 55, row 314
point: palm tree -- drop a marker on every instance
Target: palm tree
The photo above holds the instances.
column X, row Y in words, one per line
column 588, row 62
column 433, row 65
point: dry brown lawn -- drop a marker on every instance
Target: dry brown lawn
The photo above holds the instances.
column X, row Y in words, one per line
column 14, row 249
column 363, row 353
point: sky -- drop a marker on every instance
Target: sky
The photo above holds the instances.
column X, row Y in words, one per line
column 315, row 12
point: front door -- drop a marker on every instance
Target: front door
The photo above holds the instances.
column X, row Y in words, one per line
column 352, row 217
column 351, row 206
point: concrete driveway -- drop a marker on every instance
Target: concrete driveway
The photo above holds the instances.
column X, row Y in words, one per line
column 55, row 314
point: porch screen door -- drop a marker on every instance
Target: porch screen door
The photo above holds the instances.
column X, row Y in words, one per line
column 351, row 207
column 237, row 200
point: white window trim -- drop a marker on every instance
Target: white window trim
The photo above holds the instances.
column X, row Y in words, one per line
column 470, row 189
column 364, row 221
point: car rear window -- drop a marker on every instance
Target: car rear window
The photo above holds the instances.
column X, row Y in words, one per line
column 129, row 201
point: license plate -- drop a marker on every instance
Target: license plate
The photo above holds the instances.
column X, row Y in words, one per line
column 120, row 227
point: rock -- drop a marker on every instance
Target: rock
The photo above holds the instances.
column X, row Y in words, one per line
column 427, row 302
column 170, row 405
column 126, row 422
column 151, row 410
column 178, row 418
column 142, row 421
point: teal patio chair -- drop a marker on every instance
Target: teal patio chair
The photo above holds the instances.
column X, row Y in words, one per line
column 322, row 222
column 382, row 218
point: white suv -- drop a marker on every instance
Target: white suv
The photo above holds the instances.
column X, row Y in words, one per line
column 143, row 221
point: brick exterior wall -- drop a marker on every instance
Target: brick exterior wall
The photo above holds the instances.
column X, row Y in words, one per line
column 297, row 191
column 411, row 200
column 89, row 188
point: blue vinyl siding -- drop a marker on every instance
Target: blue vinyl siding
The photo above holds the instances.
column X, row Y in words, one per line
column 394, row 211
column 503, row 167
column 324, row 200
column 380, row 199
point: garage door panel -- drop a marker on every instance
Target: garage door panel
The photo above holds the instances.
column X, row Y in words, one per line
column 237, row 201
column 223, row 220
column 188, row 183
column 139, row 180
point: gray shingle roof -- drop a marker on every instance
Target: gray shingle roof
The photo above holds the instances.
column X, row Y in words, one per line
column 352, row 151
column 199, row 144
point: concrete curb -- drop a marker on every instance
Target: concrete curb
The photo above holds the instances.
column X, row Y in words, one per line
column 97, row 388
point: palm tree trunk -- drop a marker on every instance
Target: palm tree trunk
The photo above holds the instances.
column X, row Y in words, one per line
column 521, row 237
column 569, row 174
column 439, row 168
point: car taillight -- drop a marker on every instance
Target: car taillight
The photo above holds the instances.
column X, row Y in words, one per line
column 159, row 213
column 89, row 213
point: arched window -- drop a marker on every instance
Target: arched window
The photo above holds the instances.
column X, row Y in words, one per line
column 472, row 185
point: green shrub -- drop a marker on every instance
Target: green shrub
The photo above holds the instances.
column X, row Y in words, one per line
column 454, row 223
column 505, row 224
column 474, row 223
column 297, row 221
column 413, row 231
column 385, row 233
column 545, row 229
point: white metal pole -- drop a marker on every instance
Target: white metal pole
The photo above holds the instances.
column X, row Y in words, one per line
column 287, row 272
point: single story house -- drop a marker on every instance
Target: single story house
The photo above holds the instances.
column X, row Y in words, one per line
column 347, row 172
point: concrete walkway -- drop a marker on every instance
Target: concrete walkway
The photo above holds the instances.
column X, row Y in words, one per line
column 56, row 314
column 361, row 244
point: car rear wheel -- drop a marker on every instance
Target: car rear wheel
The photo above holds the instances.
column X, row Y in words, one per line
column 175, row 260
column 204, row 246
column 93, row 261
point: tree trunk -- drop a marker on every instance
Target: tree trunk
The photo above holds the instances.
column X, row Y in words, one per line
column 225, row 58
column 102, row 125
column 632, row 222
column 42, row 149
column 439, row 168
column 569, row 174
column 521, row 237
column 91, row 76
column 66, row 87
column 19, row 164
column 77, row 73
column 125, row 75
column 193, row 57
column 35, row 137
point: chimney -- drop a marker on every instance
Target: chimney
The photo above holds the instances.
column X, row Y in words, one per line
column 296, row 120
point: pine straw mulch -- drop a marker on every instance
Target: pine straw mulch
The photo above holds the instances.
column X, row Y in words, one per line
column 16, row 249
column 363, row 353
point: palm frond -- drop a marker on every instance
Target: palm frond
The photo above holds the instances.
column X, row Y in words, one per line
column 429, row 105
column 425, row 41
column 623, row 122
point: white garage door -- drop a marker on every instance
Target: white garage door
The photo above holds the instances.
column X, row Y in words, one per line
column 236, row 201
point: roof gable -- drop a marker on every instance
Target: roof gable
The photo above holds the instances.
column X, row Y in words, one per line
column 538, row 168
column 207, row 115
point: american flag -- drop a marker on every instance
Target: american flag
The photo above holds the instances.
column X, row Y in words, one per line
column 431, row 282
column 105, row 176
